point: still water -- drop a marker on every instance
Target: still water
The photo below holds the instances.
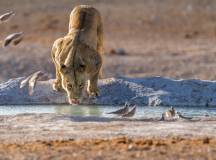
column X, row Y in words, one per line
column 101, row 111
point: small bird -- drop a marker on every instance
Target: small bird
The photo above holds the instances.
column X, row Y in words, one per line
column 32, row 79
column 172, row 111
column 121, row 111
column 14, row 37
column 131, row 113
column 5, row 17
column 168, row 115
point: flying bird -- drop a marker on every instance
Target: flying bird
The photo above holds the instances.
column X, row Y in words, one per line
column 32, row 79
column 131, row 113
column 5, row 17
column 14, row 37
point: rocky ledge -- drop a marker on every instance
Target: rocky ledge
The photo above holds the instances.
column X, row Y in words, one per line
column 150, row 91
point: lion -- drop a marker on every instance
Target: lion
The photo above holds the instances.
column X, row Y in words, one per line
column 78, row 55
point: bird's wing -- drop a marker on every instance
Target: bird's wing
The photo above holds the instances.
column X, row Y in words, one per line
column 17, row 41
column 130, row 113
column 7, row 42
column 25, row 81
column 33, row 80
column 120, row 111
column 6, row 16
column 12, row 37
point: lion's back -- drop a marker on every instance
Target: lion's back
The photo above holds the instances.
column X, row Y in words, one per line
column 86, row 19
column 76, row 17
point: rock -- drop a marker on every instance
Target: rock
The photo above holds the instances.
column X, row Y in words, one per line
column 118, row 51
column 151, row 91
column 191, row 35
column 11, row 93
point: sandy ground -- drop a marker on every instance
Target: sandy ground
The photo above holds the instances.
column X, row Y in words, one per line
column 167, row 38
column 116, row 148
column 50, row 136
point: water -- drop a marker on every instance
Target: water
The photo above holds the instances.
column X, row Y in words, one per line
column 100, row 111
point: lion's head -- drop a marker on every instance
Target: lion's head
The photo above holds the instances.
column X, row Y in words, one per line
column 73, row 79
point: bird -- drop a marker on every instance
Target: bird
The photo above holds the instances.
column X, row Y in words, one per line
column 121, row 111
column 14, row 37
column 131, row 113
column 32, row 79
column 5, row 17
column 172, row 111
column 168, row 115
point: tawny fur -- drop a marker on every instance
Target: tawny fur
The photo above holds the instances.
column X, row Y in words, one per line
column 78, row 55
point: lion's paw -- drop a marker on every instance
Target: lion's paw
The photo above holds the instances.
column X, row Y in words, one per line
column 93, row 92
column 57, row 86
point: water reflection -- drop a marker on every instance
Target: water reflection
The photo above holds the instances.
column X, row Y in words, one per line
column 78, row 110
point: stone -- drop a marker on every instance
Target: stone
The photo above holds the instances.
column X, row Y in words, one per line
column 149, row 91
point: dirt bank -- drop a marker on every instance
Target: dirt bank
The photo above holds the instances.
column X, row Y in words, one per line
column 114, row 148
column 51, row 136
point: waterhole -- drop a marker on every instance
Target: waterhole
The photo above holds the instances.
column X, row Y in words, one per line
column 101, row 111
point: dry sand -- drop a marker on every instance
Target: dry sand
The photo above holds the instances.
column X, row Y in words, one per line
column 117, row 148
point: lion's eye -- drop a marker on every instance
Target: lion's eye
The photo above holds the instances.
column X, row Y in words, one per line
column 81, row 85
column 64, row 69
column 81, row 68
column 69, row 86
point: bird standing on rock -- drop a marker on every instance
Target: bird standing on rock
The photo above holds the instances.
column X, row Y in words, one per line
column 131, row 113
column 169, row 115
column 121, row 111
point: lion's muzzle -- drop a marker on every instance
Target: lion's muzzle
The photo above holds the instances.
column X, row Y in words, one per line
column 74, row 101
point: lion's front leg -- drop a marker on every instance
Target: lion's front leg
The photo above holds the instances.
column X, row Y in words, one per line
column 57, row 84
column 92, row 88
